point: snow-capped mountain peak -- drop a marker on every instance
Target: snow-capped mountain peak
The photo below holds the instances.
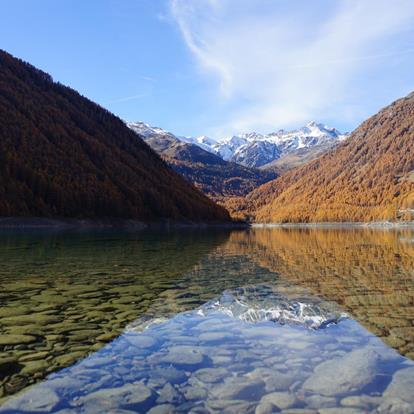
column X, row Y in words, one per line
column 253, row 149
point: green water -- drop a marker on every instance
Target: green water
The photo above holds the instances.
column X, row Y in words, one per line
column 64, row 296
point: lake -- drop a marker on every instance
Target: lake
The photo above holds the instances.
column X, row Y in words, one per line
column 291, row 320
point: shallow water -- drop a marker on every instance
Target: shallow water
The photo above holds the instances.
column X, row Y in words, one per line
column 208, row 321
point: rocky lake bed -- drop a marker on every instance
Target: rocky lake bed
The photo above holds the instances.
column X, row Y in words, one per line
column 211, row 362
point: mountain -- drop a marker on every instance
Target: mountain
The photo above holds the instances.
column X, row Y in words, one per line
column 298, row 157
column 62, row 155
column 368, row 177
column 257, row 150
column 209, row 172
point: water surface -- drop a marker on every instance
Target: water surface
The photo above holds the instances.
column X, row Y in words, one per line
column 123, row 308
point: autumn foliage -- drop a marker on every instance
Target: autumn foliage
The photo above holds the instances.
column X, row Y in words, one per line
column 368, row 177
column 62, row 155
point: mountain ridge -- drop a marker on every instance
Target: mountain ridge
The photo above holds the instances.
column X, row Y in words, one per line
column 262, row 151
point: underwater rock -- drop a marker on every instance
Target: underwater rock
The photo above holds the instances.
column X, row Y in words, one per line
column 37, row 400
column 342, row 375
column 402, row 386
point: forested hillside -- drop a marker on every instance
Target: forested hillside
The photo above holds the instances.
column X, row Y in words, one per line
column 370, row 176
column 62, row 155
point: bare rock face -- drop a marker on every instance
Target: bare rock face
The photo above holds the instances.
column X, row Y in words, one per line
column 341, row 375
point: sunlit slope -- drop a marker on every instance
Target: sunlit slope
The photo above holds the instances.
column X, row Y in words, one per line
column 370, row 176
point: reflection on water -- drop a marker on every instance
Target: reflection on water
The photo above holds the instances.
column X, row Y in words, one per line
column 369, row 272
column 213, row 362
column 64, row 296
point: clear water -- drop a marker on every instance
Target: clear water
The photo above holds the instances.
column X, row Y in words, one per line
column 265, row 320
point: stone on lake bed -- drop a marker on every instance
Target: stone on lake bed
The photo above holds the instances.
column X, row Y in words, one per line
column 168, row 394
column 264, row 408
column 36, row 400
column 129, row 396
column 170, row 374
column 238, row 388
column 107, row 336
column 211, row 375
column 162, row 409
column 33, row 356
column 341, row 410
column 341, row 375
column 274, row 380
column 81, row 335
column 10, row 339
column 229, row 406
column 361, row 401
column 68, row 359
column 31, row 367
column 402, row 386
column 194, row 393
column 185, row 356
column 395, row 406
column 31, row 319
column 139, row 340
column 281, row 400
column 31, row 330
column 320, row 401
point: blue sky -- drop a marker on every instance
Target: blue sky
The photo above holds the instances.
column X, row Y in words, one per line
column 220, row 67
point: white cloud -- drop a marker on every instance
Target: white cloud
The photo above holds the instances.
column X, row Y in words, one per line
column 278, row 66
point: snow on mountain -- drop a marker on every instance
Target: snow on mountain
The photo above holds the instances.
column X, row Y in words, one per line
column 256, row 150
column 147, row 131
column 204, row 142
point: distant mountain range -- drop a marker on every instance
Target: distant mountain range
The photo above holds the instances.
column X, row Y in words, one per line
column 278, row 151
column 257, row 150
column 368, row 177
column 63, row 156
column 214, row 176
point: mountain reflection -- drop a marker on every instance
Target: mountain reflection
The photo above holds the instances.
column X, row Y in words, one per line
column 369, row 272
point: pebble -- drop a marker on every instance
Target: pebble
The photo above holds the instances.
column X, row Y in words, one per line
column 280, row 400
column 239, row 389
column 183, row 356
column 140, row 341
column 169, row 394
column 211, row 375
column 129, row 396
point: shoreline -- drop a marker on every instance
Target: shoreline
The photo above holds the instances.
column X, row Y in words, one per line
column 349, row 224
column 30, row 223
